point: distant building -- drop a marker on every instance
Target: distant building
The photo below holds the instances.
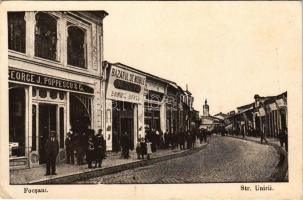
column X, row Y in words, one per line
column 266, row 114
column 207, row 121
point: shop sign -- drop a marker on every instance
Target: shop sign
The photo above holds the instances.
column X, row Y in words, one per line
column 154, row 96
column 42, row 80
column 124, row 85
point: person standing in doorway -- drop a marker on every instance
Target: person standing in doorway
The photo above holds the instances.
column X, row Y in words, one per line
column 52, row 150
column 125, row 144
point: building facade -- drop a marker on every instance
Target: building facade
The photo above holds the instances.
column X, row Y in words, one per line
column 55, row 79
column 137, row 101
column 266, row 114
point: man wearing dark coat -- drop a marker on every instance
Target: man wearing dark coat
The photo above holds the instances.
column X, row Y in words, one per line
column 125, row 144
column 100, row 145
column 69, row 148
column 51, row 150
column 166, row 139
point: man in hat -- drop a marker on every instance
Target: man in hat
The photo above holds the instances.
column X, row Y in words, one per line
column 52, row 150
column 69, row 147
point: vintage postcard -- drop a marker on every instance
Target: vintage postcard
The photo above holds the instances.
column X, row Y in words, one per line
column 151, row 100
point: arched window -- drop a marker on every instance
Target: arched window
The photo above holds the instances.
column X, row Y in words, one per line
column 46, row 36
column 16, row 31
column 76, row 47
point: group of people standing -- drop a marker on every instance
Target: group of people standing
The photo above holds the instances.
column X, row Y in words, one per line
column 92, row 146
column 88, row 144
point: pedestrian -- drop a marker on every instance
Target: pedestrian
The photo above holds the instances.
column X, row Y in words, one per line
column 138, row 148
column 143, row 148
column 188, row 140
column 69, row 148
column 51, row 150
column 116, row 141
column 100, row 146
column 193, row 138
column 283, row 138
column 148, row 149
column 162, row 145
column 91, row 151
column 181, row 140
column 171, row 140
column 166, row 139
column 157, row 139
column 205, row 133
column 263, row 137
column 125, row 145
column 286, row 138
column 153, row 140
column 78, row 144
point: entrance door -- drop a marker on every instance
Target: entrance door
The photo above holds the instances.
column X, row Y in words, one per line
column 127, row 125
column 47, row 123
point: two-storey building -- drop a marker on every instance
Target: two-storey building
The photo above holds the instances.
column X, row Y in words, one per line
column 55, row 79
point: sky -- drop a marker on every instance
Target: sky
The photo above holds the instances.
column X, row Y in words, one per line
column 225, row 51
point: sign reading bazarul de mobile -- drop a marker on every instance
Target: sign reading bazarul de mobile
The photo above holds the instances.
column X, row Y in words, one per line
column 124, row 85
column 36, row 79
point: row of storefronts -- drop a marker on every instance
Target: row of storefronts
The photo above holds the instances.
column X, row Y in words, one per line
column 137, row 101
column 265, row 114
column 58, row 80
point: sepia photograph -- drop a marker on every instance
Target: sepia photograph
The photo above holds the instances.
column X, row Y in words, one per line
column 152, row 95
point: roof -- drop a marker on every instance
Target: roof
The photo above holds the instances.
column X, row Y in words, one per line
column 246, row 106
column 222, row 114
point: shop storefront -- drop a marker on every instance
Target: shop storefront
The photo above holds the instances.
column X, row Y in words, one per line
column 154, row 106
column 124, row 105
column 39, row 104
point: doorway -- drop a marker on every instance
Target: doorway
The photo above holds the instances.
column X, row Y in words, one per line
column 47, row 123
column 127, row 125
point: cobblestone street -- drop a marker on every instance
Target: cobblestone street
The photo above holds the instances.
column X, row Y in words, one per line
column 225, row 159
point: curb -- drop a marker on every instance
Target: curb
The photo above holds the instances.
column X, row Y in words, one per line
column 114, row 169
column 281, row 169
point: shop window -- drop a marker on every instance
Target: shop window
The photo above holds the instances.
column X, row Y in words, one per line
column 17, row 122
column 53, row 94
column 16, row 31
column 42, row 93
column 34, row 126
column 61, row 95
column 61, row 113
column 34, row 92
column 76, row 47
column 46, row 36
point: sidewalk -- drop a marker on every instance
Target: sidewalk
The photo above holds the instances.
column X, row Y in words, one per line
column 273, row 141
column 113, row 163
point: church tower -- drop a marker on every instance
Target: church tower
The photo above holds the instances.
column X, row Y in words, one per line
column 205, row 109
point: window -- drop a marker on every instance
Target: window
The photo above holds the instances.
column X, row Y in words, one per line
column 46, row 36
column 16, row 31
column 61, row 127
column 17, row 122
column 76, row 47
column 34, row 132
